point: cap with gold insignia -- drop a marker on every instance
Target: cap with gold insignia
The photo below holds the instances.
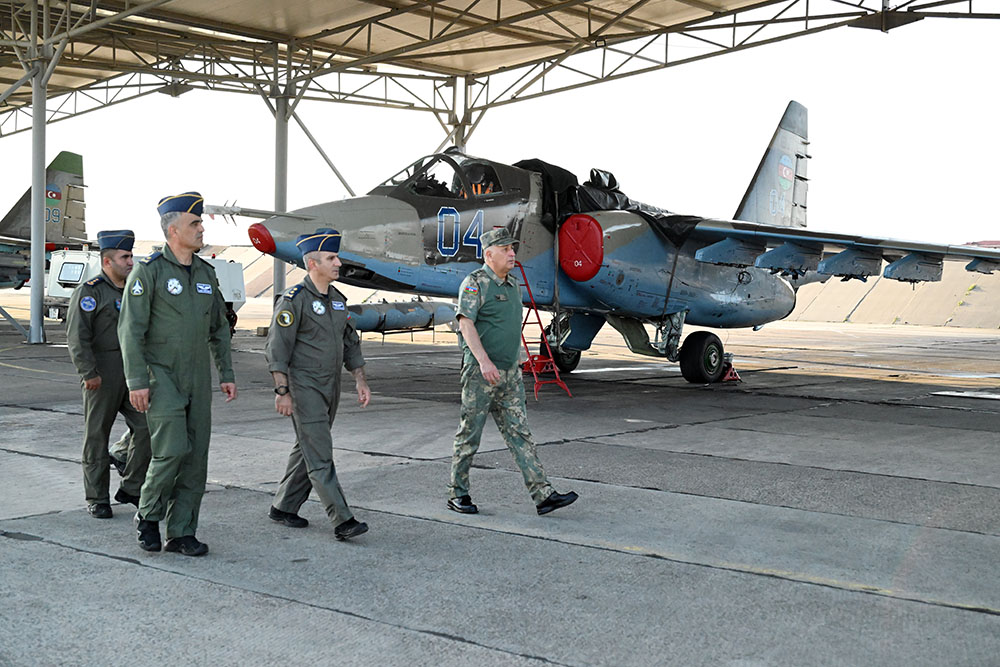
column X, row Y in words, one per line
column 497, row 236
column 186, row 202
column 325, row 239
column 119, row 239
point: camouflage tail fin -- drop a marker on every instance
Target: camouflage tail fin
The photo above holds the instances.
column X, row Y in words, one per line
column 777, row 193
column 64, row 205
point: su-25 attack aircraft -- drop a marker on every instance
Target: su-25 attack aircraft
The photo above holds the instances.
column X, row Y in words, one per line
column 65, row 226
column 592, row 255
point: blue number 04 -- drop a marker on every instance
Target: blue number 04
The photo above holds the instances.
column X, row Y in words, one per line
column 469, row 239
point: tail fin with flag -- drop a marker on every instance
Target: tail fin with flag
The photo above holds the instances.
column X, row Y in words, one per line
column 777, row 193
column 64, row 205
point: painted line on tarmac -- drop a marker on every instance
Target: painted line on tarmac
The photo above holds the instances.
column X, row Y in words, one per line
column 32, row 370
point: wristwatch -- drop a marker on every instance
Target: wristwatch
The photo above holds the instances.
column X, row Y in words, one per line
column 281, row 389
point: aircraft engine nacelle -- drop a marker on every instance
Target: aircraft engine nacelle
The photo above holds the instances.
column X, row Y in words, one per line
column 581, row 247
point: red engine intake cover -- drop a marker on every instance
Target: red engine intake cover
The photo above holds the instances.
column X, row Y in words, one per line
column 581, row 247
column 261, row 238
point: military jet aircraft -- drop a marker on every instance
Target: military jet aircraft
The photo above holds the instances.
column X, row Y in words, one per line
column 593, row 256
column 64, row 220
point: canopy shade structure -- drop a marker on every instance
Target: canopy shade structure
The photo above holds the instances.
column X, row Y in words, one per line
column 397, row 53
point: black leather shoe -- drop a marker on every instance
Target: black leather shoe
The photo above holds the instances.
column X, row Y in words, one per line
column 287, row 518
column 462, row 505
column 100, row 510
column 122, row 497
column 350, row 528
column 555, row 501
column 186, row 546
column 149, row 534
column 119, row 465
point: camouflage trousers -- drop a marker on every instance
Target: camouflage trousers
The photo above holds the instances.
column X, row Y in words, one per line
column 505, row 402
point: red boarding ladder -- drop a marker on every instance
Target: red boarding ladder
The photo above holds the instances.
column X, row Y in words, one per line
column 538, row 363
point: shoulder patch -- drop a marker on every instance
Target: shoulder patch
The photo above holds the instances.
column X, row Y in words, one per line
column 285, row 318
column 292, row 291
column 94, row 281
column 149, row 258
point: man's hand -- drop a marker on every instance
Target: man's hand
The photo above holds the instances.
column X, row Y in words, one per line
column 489, row 370
column 364, row 393
column 93, row 383
column 139, row 399
column 229, row 389
column 283, row 405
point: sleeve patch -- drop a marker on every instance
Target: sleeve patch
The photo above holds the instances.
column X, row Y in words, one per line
column 88, row 304
column 285, row 318
column 137, row 288
column 471, row 289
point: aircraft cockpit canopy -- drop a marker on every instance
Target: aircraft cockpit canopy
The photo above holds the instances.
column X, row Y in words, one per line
column 448, row 176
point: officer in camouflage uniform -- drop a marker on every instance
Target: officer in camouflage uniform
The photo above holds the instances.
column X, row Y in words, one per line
column 92, row 338
column 309, row 339
column 489, row 317
column 173, row 317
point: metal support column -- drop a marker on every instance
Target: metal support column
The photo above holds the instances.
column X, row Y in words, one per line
column 280, row 179
column 39, row 53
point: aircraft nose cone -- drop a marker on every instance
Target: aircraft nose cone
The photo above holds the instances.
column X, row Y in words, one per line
column 261, row 238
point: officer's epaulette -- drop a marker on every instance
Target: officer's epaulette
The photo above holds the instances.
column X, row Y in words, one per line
column 150, row 257
column 94, row 281
column 292, row 291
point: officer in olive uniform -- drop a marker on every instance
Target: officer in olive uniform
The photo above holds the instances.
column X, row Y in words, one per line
column 310, row 338
column 489, row 317
column 173, row 319
column 92, row 338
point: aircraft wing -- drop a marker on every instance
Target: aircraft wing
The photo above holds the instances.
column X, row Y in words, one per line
column 793, row 251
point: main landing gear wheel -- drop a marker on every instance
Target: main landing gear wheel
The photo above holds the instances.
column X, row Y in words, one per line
column 702, row 359
column 566, row 360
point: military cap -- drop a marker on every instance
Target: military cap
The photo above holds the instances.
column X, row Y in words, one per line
column 325, row 239
column 497, row 236
column 186, row 202
column 119, row 239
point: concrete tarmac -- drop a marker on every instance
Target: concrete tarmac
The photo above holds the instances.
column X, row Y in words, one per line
column 834, row 508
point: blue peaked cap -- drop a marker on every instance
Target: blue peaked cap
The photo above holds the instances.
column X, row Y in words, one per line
column 325, row 239
column 186, row 202
column 119, row 239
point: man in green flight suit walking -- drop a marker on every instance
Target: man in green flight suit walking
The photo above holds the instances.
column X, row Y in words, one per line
column 92, row 338
column 489, row 317
column 173, row 318
column 310, row 338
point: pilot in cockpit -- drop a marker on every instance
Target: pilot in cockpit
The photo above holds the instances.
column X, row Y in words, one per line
column 482, row 179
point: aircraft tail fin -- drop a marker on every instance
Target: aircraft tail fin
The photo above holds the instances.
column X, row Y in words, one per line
column 777, row 193
column 65, row 222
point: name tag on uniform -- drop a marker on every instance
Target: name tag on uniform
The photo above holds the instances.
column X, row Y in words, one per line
column 203, row 288
column 501, row 297
column 337, row 305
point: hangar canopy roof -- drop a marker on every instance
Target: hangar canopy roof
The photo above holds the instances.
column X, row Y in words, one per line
column 113, row 51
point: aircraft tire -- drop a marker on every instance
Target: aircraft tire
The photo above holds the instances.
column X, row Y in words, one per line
column 702, row 359
column 566, row 360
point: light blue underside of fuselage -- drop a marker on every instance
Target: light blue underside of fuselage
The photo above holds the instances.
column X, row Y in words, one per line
column 632, row 281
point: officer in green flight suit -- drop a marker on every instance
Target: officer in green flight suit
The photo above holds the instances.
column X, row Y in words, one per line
column 310, row 338
column 173, row 320
column 92, row 338
column 489, row 317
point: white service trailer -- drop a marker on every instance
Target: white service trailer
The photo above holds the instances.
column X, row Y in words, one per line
column 68, row 269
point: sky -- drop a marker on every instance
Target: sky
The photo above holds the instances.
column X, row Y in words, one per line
column 903, row 128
